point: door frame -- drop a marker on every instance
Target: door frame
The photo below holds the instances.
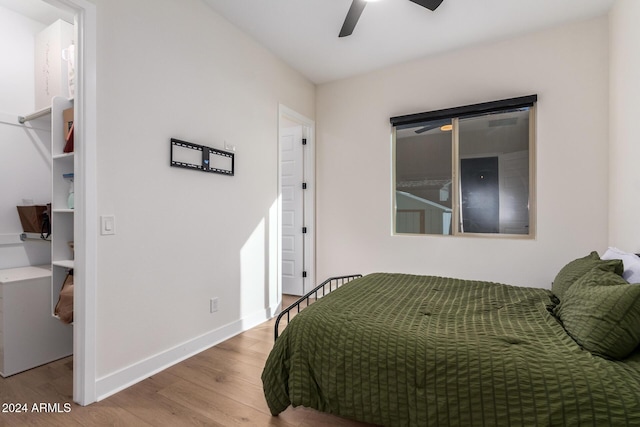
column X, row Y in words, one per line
column 85, row 216
column 308, row 132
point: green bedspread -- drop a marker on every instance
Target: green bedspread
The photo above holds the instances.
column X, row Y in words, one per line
column 395, row 349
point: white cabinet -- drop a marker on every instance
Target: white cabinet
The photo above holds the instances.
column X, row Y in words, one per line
column 29, row 335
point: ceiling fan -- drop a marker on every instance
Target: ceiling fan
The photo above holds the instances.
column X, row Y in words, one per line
column 358, row 6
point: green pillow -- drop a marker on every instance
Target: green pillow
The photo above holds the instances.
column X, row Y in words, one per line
column 601, row 312
column 578, row 268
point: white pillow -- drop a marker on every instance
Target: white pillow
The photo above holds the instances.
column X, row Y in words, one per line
column 631, row 263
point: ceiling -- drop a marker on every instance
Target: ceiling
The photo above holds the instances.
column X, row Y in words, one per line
column 37, row 10
column 304, row 33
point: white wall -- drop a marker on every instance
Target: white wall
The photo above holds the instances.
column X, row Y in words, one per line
column 174, row 68
column 17, row 71
column 567, row 67
column 624, row 170
column 25, row 169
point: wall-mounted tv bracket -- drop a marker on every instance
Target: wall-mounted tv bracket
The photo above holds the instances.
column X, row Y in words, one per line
column 200, row 157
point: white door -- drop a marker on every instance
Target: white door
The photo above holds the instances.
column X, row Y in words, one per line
column 292, row 196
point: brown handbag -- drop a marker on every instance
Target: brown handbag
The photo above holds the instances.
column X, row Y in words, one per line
column 36, row 219
column 64, row 307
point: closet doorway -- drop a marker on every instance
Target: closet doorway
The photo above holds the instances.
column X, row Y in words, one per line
column 35, row 15
column 296, row 202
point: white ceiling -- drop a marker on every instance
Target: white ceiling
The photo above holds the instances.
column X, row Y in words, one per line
column 304, row 33
column 37, row 10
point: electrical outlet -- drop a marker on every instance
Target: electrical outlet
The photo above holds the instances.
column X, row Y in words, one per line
column 213, row 305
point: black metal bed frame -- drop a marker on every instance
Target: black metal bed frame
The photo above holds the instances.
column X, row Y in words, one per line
column 337, row 281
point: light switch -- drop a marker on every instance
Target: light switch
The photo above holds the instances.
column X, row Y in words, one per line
column 107, row 225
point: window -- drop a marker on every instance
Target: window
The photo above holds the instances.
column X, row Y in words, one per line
column 466, row 170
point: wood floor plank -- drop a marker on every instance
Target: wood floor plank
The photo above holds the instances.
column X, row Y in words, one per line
column 220, row 408
column 145, row 401
column 222, row 362
column 106, row 414
column 220, row 386
column 228, row 383
column 44, row 420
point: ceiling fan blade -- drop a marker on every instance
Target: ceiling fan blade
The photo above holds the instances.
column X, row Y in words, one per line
column 352, row 17
column 426, row 128
column 429, row 4
column 433, row 125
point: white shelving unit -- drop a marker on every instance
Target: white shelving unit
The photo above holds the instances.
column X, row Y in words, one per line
column 62, row 216
column 62, row 221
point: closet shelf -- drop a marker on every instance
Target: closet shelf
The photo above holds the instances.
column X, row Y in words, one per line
column 62, row 156
column 66, row 263
column 55, row 316
column 63, row 211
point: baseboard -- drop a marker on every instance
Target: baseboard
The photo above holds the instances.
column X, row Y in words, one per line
column 120, row 380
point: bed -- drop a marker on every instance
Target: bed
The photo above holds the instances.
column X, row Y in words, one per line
column 398, row 349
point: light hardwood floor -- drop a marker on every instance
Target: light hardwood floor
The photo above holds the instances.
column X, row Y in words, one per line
column 218, row 387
